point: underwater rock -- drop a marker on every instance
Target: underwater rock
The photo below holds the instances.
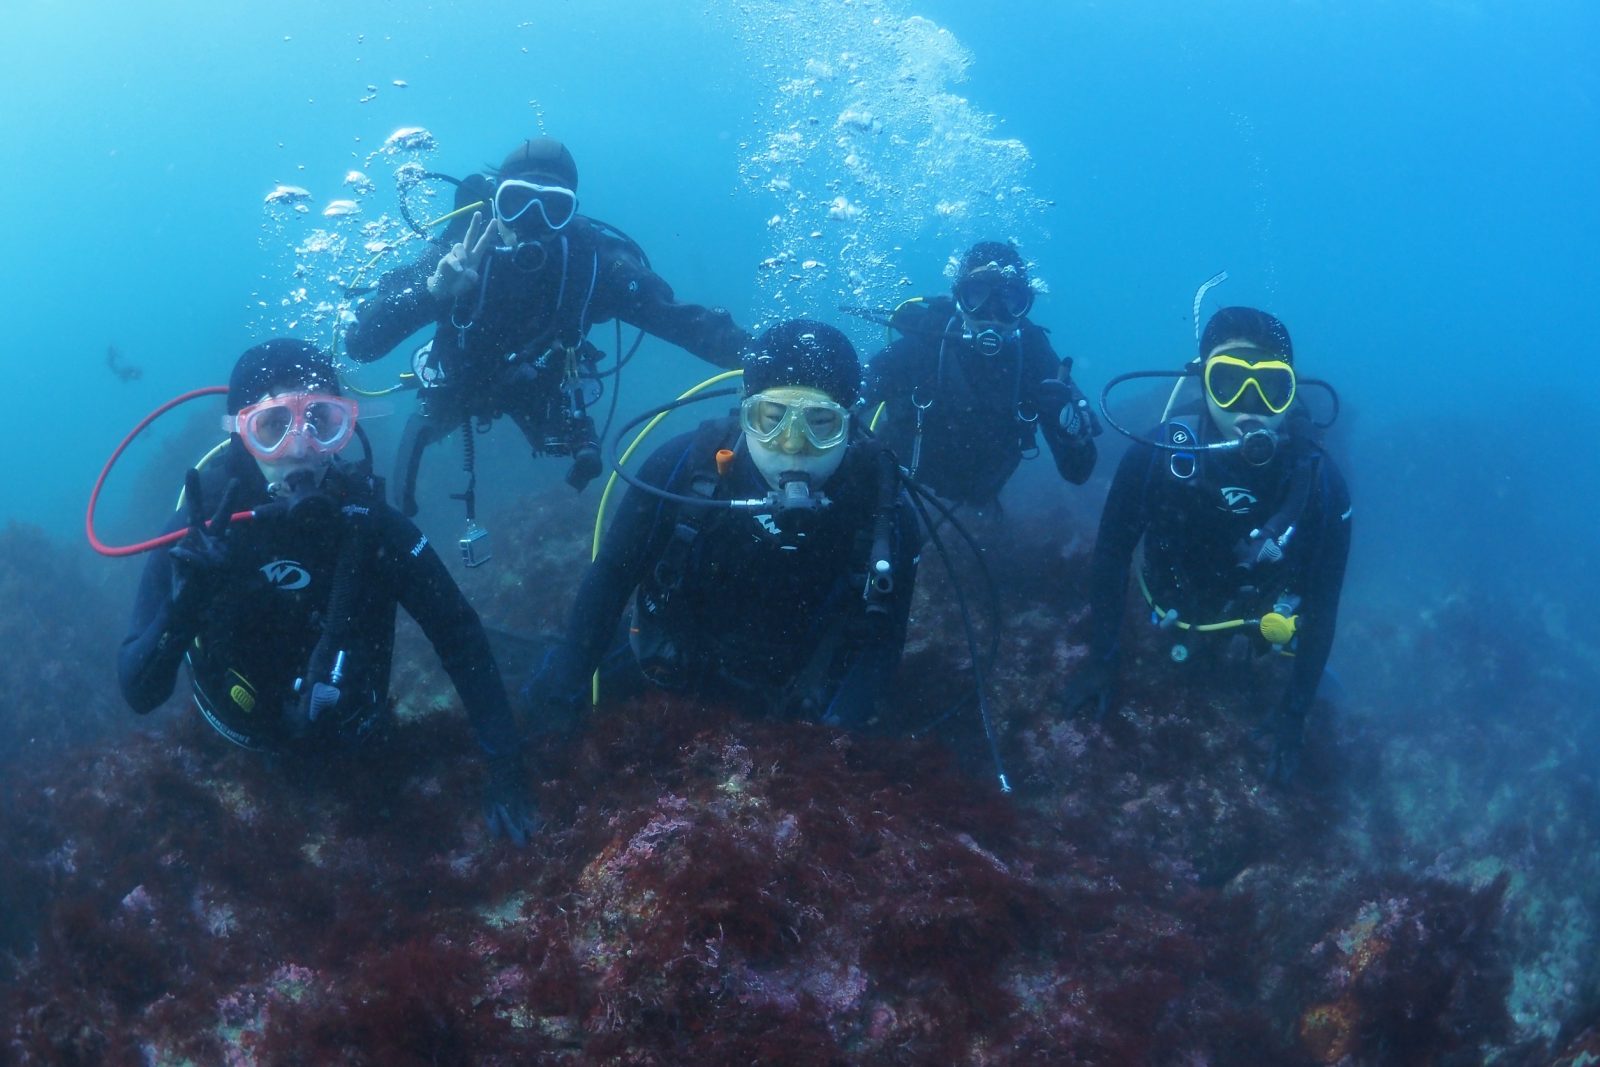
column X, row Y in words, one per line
column 711, row 888
column 59, row 626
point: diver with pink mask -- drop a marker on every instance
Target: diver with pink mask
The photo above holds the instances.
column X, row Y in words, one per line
column 287, row 620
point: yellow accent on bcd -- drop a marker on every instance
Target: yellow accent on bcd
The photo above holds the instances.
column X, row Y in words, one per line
column 1278, row 629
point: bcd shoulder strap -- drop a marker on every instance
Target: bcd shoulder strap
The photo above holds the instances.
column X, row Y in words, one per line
column 711, row 437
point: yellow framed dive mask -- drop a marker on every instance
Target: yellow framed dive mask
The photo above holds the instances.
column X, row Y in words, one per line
column 1229, row 381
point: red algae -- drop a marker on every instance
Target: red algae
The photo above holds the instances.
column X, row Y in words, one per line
column 715, row 889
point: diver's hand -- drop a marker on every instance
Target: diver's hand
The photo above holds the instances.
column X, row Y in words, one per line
column 1258, row 548
column 457, row 271
column 506, row 807
column 554, row 694
column 1064, row 405
column 1053, row 397
column 1091, row 688
column 551, row 711
column 200, row 559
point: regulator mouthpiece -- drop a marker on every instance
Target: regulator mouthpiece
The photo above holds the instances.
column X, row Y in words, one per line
column 989, row 341
column 1258, row 447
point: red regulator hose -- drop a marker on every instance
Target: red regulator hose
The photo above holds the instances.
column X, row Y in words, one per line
column 99, row 483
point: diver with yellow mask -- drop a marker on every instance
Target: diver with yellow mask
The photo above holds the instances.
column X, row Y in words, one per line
column 1244, row 521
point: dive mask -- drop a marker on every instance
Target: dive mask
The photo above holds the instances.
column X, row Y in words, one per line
column 766, row 418
column 514, row 198
column 1264, row 388
column 325, row 422
column 996, row 294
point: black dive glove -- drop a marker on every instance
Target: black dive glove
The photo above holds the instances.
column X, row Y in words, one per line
column 1257, row 549
column 1064, row 406
column 1091, row 688
column 586, row 463
column 553, row 696
column 506, row 807
column 200, row 559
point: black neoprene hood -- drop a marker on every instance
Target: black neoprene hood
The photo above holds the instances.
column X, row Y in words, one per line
column 1259, row 328
column 542, row 158
column 282, row 361
column 808, row 353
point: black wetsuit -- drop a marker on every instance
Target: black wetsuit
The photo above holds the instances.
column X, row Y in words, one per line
column 251, row 640
column 1195, row 531
column 983, row 412
column 498, row 349
column 728, row 605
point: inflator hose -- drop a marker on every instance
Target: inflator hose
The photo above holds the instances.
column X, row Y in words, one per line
column 99, row 483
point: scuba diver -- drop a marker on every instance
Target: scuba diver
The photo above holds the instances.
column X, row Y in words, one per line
column 514, row 298
column 286, row 614
column 1245, row 523
column 770, row 556
column 971, row 384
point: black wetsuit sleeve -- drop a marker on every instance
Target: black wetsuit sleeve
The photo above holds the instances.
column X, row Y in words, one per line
column 1122, row 523
column 1074, row 456
column 633, row 541
column 633, row 292
column 892, row 372
column 430, row 595
column 399, row 306
column 1328, row 547
column 147, row 663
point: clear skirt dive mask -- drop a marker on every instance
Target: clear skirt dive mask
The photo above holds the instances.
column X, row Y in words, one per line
column 515, row 198
column 325, row 422
column 767, row 418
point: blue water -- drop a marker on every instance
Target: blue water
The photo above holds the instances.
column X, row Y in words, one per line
column 1410, row 186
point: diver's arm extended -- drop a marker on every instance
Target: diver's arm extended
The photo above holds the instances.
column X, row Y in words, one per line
column 631, row 291
column 633, row 541
column 1122, row 523
column 430, row 595
column 892, row 372
column 399, row 307
column 147, row 662
column 1075, row 454
column 1069, row 436
column 1329, row 550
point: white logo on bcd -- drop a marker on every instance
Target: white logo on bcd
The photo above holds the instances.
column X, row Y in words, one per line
column 286, row 574
column 1238, row 500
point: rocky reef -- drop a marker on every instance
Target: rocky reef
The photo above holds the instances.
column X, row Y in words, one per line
column 709, row 888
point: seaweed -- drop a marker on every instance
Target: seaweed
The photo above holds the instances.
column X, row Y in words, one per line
column 714, row 888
